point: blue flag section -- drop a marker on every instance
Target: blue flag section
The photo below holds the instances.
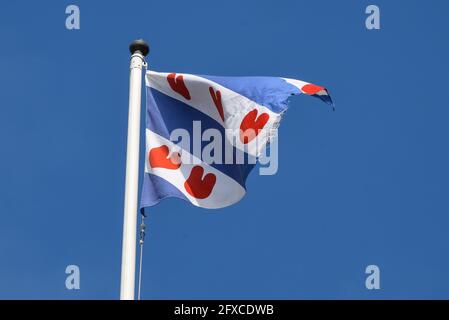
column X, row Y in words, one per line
column 240, row 113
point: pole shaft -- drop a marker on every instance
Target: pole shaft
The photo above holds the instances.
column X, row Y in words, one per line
column 127, row 284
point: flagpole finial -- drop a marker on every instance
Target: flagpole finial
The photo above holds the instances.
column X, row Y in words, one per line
column 139, row 46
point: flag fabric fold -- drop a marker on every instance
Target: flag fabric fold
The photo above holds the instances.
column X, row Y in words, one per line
column 187, row 114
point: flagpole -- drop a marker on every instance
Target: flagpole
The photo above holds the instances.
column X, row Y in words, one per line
column 139, row 49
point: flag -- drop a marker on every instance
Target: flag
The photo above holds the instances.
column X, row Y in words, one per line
column 228, row 120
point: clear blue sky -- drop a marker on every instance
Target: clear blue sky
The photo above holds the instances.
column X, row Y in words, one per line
column 367, row 184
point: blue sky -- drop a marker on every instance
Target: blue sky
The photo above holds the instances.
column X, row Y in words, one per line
column 364, row 185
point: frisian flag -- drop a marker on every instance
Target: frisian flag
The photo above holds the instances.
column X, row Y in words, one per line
column 249, row 108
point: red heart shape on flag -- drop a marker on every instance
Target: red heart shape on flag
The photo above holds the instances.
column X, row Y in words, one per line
column 198, row 187
column 158, row 158
column 216, row 96
column 311, row 89
column 178, row 85
column 251, row 125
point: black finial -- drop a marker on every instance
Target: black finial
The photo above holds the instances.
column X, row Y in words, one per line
column 139, row 46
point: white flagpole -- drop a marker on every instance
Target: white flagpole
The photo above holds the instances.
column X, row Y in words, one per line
column 139, row 49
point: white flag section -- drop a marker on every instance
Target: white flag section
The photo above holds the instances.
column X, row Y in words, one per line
column 167, row 165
